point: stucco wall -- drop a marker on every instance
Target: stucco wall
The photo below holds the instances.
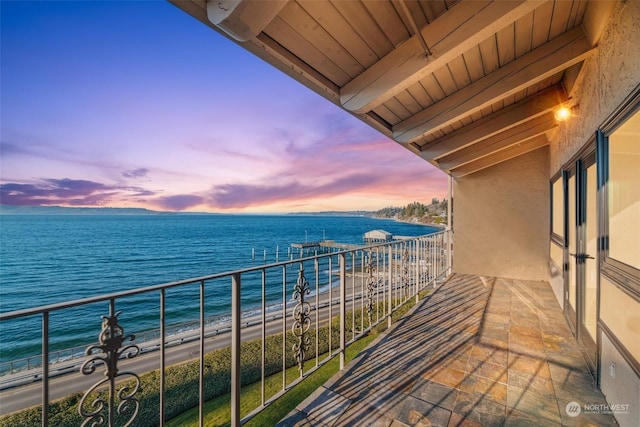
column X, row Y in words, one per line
column 501, row 219
column 610, row 75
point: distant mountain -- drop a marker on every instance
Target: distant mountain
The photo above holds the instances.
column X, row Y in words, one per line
column 62, row 210
column 335, row 213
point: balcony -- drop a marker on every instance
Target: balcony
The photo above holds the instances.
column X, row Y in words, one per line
column 475, row 351
column 479, row 351
column 136, row 376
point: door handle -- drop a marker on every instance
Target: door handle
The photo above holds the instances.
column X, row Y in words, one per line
column 581, row 257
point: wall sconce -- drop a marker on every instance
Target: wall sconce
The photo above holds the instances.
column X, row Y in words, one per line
column 562, row 114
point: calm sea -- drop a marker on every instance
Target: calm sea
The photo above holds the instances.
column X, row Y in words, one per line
column 55, row 258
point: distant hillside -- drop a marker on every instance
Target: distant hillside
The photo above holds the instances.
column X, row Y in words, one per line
column 435, row 213
column 335, row 213
column 62, row 210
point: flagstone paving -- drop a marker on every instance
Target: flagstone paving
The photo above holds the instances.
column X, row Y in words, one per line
column 479, row 351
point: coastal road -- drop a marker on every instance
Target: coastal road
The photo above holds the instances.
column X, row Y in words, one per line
column 28, row 395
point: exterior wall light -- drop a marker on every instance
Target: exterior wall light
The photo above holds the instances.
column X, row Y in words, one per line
column 562, row 114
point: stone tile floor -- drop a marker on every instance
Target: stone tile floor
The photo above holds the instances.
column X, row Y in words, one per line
column 479, row 351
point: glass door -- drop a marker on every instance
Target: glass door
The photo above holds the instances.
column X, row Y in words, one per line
column 570, row 284
column 588, row 280
column 582, row 237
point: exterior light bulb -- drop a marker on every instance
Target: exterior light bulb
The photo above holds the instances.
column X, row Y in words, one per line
column 562, row 114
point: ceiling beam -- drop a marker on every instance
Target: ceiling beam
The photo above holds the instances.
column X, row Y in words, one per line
column 449, row 36
column 513, row 115
column 506, row 139
column 543, row 62
column 595, row 19
column 502, row 156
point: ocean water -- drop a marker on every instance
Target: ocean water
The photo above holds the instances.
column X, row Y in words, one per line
column 47, row 259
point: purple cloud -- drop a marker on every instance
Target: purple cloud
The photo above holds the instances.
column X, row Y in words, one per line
column 71, row 192
column 180, row 202
column 135, row 173
column 9, row 148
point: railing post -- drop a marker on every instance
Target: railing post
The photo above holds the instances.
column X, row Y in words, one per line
column 111, row 348
column 162, row 354
column 113, row 362
column 434, row 261
column 390, row 278
column 236, row 314
column 263, row 337
column 301, row 319
column 45, row 369
column 201, row 364
column 449, row 239
column 416, row 264
column 343, row 308
column 449, row 230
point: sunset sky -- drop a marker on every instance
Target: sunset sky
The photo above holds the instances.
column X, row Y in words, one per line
column 137, row 104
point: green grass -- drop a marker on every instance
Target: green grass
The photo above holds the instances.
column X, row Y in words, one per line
column 217, row 411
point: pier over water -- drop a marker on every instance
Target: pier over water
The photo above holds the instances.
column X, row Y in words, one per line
column 322, row 246
column 325, row 246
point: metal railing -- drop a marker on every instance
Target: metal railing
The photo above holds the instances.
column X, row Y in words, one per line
column 303, row 313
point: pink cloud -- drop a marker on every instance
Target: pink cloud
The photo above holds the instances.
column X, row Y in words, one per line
column 336, row 157
column 231, row 196
column 71, row 192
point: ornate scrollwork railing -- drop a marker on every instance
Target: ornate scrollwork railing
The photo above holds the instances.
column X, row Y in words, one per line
column 370, row 269
column 301, row 318
column 405, row 269
column 97, row 407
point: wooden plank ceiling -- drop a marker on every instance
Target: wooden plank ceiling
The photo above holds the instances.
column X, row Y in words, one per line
column 463, row 84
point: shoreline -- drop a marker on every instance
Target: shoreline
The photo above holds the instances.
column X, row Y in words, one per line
column 122, row 268
column 404, row 221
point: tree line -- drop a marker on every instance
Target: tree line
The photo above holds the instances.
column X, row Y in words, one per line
column 434, row 213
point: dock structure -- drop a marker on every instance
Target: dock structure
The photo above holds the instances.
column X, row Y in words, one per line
column 306, row 245
column 322, row 246
column 332, row 244
column 325, row 246
column 307, row 248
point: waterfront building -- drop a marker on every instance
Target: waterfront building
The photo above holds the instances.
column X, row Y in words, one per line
column 375, row 236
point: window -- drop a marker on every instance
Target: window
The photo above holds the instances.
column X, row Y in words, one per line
column 623, row 192
column 556, row 243
column 557, row 209
column 619, row 151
